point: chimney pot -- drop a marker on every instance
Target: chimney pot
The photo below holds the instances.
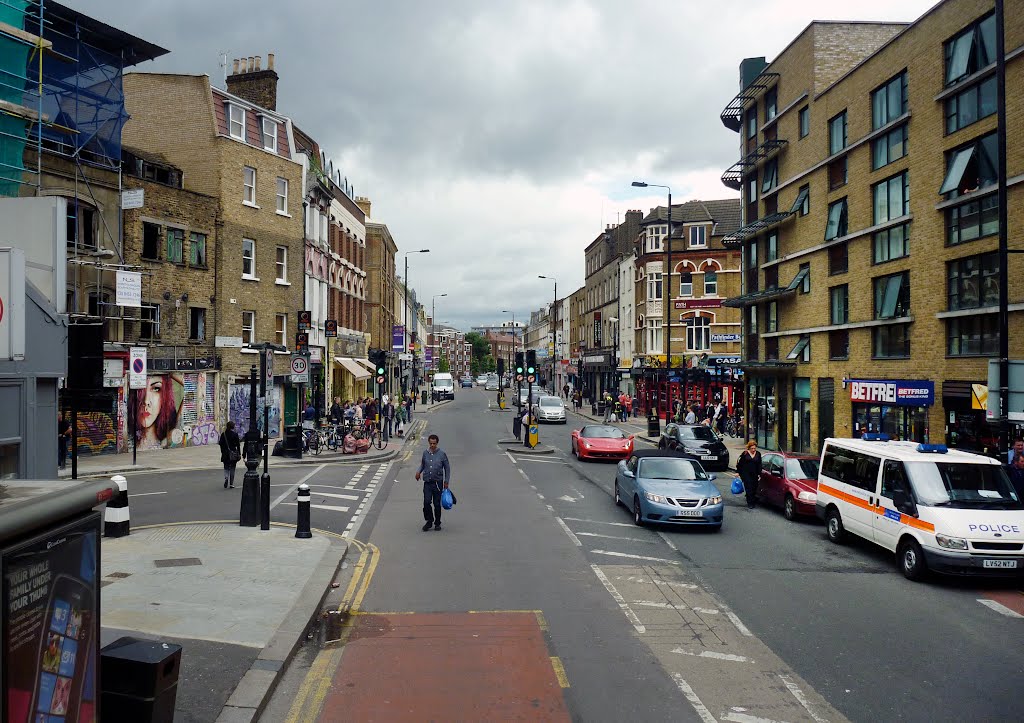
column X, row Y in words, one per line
column 259, row 61
column 234, row 67
column 252, row 64
column 270, row 61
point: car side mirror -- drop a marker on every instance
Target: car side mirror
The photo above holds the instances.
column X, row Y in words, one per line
column 903, row 503
column 712, row 476
column 632, row 437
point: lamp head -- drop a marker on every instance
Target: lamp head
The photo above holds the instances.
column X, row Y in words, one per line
column 639, row 184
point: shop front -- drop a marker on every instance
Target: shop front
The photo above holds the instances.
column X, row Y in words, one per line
column 896, row 407
column 600, row 374
column 963, row 404
column 770, row 388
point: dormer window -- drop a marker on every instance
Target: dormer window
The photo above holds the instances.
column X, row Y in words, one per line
column 269, row 135
column 698, row 237
column 236, row 121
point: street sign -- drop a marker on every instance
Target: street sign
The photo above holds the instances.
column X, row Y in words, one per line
column 133, row 198
column 331, row 328
column 137, row 368
column 301, row 341
column 228, row 342
column 305, row 319
column 269, row 354
column 404, row 356
column 300, row 369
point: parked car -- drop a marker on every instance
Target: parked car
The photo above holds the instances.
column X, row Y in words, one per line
column 663, row 486
column 789, row 481
column 697, row 441
column 601, row 441
column 550, row 409
column 467, row 382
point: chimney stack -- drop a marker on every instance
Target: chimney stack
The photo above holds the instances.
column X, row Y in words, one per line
column 250, row 82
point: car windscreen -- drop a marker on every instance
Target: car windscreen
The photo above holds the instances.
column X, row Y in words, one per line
column 602, row 433
column 951, row 484
column 802, row 468
column 670, row 468
column 550, row 402
column 705, row 434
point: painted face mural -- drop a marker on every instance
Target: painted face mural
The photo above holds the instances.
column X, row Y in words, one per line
column 156, row 408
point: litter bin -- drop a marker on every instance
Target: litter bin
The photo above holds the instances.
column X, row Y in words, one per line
column 653, row 423
column 139, row 680
column 600, row 408
column 517, row 426
column 423, row 397
column 292, row 441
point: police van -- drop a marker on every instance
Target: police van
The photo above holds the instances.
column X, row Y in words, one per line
column 938, row 509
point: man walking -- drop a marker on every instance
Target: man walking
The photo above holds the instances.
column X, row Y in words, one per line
column 434, row 471
column 691, row 416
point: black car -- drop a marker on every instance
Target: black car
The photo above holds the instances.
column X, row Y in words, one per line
column 698, row 442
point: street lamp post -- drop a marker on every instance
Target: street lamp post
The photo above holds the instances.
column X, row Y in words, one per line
column 432, row 300
column 405, row 307
column 667, row 287
column 554, row 332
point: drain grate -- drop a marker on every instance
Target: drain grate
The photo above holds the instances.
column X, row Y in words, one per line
column 178, row 562
column 184, row 533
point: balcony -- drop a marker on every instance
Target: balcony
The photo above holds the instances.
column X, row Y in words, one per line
column 772, row 292
column 764, row 224
column 733, row 177
column 732, row 116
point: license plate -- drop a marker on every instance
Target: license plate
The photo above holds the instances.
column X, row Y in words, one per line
column 999, row 563
column 694, row 513
column 709, row 456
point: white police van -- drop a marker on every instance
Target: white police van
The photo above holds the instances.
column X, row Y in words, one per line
column 937, row 509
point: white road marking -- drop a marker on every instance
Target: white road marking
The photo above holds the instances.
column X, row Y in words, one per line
column 702, row 710
column 144, row 494
column 667, row 583
column 543, row 461
column 575, row 540
column 799, row 695
column 578, row 493
column 287, row 493
column 600, row 522
column 615, row 537
column 511, row 458
column 715, row 655
column 334, row 508
column 668, row 541
column 999, row 608
column 617, row 597
column 736, row 717
column 739, row 625
column 523, row 474
column 659, row 604
column 706, row 611
column 550, row 508
column 567, row 498
column 635, row 557
column 336, row 495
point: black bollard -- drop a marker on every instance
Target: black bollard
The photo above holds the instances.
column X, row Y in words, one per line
column 115, row 517
column 249, row 511
column 302, row 520
column 265, row 501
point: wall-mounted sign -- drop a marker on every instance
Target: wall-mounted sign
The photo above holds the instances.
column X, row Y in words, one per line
column 331, row 328
column 397, row 338
column 596, row 359
column 129, row 289
column 901, row 392
column 697, row 303
column 716, row 338
column 133, row 198
column 597, row 328
column 723, row 360
column 305, row 320
column 228, row 342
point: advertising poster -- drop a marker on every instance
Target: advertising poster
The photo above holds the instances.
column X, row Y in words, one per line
column 397, row 339
column 51, row 625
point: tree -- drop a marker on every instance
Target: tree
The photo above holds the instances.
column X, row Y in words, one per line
column 481, row 347
column 442, row 364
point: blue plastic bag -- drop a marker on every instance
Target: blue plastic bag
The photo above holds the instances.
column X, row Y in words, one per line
column 447, row 499
column 737, row 486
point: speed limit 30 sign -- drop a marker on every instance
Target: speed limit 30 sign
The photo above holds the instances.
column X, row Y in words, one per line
column 300, row 369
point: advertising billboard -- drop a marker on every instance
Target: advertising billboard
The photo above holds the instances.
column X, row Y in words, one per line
column 397, row 338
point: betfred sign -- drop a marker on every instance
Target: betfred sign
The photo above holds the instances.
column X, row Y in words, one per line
column 900, row 392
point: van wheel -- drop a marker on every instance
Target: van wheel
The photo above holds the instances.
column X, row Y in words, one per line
column 789, row 508
column 834, row 526
column 911, row 559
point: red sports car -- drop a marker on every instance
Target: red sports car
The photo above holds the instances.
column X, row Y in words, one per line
column 601, row 441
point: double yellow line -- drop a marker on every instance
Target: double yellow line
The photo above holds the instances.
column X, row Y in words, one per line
column 317, row 684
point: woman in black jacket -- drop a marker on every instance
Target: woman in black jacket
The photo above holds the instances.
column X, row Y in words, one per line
column 749, row 468
column 230, row 453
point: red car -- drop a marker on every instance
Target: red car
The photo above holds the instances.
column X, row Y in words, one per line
column 601, row 441
column 789, row 481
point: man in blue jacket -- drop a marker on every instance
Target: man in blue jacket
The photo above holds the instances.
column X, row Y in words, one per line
column 435, row 471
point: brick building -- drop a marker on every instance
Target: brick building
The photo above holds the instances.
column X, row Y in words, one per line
column 503, row 346
column 380, row 286
column 458, row 352
column 869, row 177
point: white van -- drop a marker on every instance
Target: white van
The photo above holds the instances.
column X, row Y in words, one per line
column 443, row 386
column 937, row 509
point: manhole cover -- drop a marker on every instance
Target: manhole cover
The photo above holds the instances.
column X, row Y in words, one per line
column 178, row 562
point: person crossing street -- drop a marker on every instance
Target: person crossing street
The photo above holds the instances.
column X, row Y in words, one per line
column 434, row 471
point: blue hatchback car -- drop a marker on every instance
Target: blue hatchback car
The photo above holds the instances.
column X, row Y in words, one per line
column 664, row 486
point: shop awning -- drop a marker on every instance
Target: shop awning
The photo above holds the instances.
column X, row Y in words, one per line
column 366, row 363
column 356, row 370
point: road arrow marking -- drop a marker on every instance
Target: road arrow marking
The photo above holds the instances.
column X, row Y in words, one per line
column 715, row 655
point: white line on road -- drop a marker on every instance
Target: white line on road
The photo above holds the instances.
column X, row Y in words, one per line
column 702, row 710
column 567, row 498
column 575, row 540
column 334, row 508
column 550, row 508
column 294, row 487
column 335, row 495
column 668, row 541
column 999, row 608
column 737, row 717
column 739, row 625
column 543, row 461
column 659, row 604
column 143, row 494
column 600, row 522
column 617, row 597
column 540, row 495
column 511, row 458
column 667, row 583
column 799, row 695
column 717, row 656
column 635, row 557
column 523, row 474
column 615, row 537
column 706, row 611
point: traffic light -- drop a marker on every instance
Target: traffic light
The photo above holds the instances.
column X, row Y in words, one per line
column 501, row 367
column 378, row 357
column 520, row 366
column 531, row 365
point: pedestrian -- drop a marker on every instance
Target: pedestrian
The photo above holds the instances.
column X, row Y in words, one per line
column 388, row 417
column 336, row 411
column 434, row 471
column 618, row 409
column 719, row 418
column 565, row 390
column 409, row 402
column 63, row 439
column 1015, row 471
column 691, row 416
column 309, row 416
column 230, row 452
column 749, row 468
column 1016, row 451
column 608, row 409
column 628, row 405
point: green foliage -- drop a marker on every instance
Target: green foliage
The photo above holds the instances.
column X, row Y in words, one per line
column 481, row 348
column 443, row 365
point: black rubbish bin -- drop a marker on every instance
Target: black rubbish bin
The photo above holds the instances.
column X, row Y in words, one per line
column 292, row 441
column 423, row 397
column 653, row 424
column 139, row 680
column 517, row 426
column 600, row 408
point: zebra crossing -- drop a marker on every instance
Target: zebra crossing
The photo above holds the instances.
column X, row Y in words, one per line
column 345, row 504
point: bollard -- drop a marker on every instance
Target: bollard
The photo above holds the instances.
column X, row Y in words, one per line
column 115, row 516
column 249, row 509
column 302, row 521
column 265, row 501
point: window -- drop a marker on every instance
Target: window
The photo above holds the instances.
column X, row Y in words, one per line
column 752, row 335
column 839, row 344
column 770, row 179
column 973, row 282
column 281, row 329
column 837, row 173
column 654, row 336
column 970, row 106
column 772, row 317
column 889, row 147
column 149, row 327
column 971, row 50
column 269, row 127
column 972, row 220
column 197, row 249
column 654, row 286
column 892, row 296
column 710, row 283
column 891, row 199
column 686, row 284
column 249, row 185
column 281, row 263
column 80, row 225
column 837, row 133
column 838, row 259
column 175, row 245
column 802, row 204
column 851, row 467
column 698, row 236
column 698, row 333
column 889, row 102
column 804, row 275
column 248, row 258
column 771, row 348
column 771, row 246
column 771, row 102
column 236, row 124
column 752, row 189
column 891, row 341
column 971, row 167
column 196, row 324
column 150, row 241
column 771, row 277
column 839, row 304
column 248, row 327
column 282, row 196
column 975, row 335
column 805, row 121
column 836, row 226
column 752, row 123
column 801, row 350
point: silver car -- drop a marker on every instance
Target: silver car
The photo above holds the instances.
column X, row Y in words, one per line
column 550, row 409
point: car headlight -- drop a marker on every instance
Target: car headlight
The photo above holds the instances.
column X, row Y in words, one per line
column 692, row 450
column 653, row 497
column 951, row 543
column 716, row 500
column 806, row 496
column 625, row 445
column 585, row 443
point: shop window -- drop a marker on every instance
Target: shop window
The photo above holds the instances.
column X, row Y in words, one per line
column 175, row 245
column 971, row 167
column 837, row 220
column 975, row 335
column 973, row 282
column 892, row 296
column 838, row 259
column 970, row 50
column 972, row 220
column 197, row 324
column 891, row 342
column 839, row 344
column 150, row 241
column 889, row 101
column 890, row 147
column 839, row 304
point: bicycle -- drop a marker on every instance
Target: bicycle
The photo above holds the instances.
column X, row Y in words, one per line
column 377, row 438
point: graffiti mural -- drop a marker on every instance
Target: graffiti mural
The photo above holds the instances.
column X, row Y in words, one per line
column 238, row 410
column 175, row 409
column 97, row 433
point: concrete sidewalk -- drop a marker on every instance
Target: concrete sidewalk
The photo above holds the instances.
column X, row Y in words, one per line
column 237, row 599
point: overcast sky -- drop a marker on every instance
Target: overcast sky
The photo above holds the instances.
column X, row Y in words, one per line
column 501, row 135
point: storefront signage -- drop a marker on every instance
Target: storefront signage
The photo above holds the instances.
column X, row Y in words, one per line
column 597, row 328
column 901, row 392
column 697, row 303
column 723, row 361
column 129, row 289
column 397, row 339
column 596, row 359
column 715, row 338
